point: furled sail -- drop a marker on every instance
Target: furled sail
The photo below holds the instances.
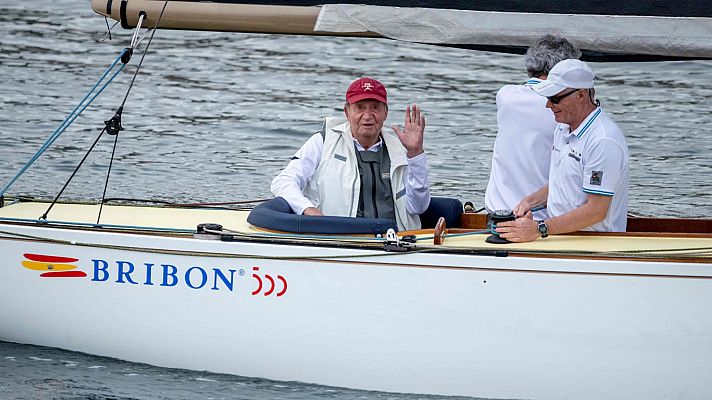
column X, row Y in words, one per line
column 605, row 31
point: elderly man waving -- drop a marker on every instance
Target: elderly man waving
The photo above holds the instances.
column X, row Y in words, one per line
column 588, row 175
column 354, row 169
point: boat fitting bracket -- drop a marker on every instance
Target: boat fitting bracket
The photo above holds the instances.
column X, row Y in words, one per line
column 209, row 231
column 113, row 125
column 395, row 244
column 135, row 38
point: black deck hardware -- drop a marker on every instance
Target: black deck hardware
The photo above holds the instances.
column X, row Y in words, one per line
column 210, row 231
column 494, row 218
column 395, row 244
column 126, row 57
column 113, row 125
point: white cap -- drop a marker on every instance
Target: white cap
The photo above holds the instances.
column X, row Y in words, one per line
column 571, row 73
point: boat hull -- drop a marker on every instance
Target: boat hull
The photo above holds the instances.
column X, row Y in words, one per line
column 454, row 324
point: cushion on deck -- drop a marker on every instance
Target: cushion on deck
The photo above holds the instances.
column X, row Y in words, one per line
column 275, row 214
column 446, row 207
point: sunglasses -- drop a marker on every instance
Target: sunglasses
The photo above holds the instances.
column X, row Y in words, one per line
column 557, row 99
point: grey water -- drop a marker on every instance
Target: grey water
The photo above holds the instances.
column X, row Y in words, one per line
column 214, row 116
column 31, row 372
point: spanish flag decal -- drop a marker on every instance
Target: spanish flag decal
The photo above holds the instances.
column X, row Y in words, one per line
column 54, row 266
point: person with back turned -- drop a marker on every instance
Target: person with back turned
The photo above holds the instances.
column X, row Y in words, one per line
column 355, row 169
column 525, row 130
column 588, row 174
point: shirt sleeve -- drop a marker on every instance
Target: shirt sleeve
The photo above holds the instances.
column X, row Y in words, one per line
column 417, row 185
column 290, row 183
column 603, row 168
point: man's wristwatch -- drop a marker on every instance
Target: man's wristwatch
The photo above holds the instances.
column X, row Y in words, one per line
column 543, row 229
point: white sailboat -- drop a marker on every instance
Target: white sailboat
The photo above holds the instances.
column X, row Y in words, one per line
column 583, row 315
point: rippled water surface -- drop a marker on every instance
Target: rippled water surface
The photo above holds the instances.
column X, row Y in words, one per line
column 214, row 116
column 31, row 372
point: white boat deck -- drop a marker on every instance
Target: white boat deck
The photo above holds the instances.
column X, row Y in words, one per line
column 131, row 216
column 187, row 219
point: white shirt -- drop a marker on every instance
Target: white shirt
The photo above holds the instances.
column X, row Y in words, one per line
column 522, row 149
column 593, row 159
column 294, row 178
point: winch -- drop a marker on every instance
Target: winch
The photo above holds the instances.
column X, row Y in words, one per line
column 495, row 218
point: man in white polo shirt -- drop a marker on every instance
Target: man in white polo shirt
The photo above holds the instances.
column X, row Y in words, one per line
column 588, row 175
column 525, row 130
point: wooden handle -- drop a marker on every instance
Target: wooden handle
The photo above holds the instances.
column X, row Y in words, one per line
column 440, row 229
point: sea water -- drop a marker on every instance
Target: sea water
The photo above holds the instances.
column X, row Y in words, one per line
column 32, row 372
column 214, row 116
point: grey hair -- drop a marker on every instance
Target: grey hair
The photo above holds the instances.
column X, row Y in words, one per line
column 546, row 52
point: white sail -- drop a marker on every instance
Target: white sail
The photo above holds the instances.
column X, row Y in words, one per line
column 623, row 34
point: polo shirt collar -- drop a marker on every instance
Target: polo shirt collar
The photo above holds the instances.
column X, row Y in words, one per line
column 586, row 124
column 532, row 81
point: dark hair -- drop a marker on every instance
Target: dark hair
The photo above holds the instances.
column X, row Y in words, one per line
column 592, row 97
column 547, row 52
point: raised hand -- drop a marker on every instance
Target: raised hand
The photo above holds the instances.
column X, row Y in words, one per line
column 412, row 135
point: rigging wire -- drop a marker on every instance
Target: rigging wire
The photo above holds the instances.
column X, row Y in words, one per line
column 114, row 124
column 44, row 216
column 135, row 39
column 72, row 116
column 108, row 29
column 140, row 38
column 108, row 172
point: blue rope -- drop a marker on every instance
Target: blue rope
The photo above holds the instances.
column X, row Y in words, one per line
column 69, row 119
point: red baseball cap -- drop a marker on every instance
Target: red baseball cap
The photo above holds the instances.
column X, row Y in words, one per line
column 366, row 88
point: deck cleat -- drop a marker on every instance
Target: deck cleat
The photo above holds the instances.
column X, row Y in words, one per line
column 208, row 231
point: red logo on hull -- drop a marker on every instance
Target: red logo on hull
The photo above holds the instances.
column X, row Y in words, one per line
column 54, row 266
